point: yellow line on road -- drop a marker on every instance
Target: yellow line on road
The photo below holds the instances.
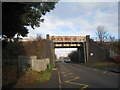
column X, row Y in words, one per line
column 68, row 74
column 74, row 78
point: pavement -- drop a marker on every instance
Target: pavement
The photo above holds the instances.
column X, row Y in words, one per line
column 53, row 83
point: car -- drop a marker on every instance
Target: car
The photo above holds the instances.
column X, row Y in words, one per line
column 67, row 61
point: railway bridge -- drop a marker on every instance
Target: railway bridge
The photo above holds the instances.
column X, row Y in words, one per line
column 79, row 42
column 88, row 50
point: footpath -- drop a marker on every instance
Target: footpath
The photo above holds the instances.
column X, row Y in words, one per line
column 53, row 82
column 50, row 84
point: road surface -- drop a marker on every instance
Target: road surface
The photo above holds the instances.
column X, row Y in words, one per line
column 78, row 76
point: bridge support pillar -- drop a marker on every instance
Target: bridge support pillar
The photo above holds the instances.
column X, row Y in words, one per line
column 87, row 47
column 85, row 54
column 81, row 54
column 47, row 36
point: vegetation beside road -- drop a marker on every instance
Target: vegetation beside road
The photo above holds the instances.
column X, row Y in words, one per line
column 45, row 75
column 35, row 77
column 100, row 64
column 25, row 14
column 107, row 66
column 57, row 60
column 40, row 47
column 9, row 75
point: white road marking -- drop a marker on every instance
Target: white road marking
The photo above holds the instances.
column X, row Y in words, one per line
column 104, row 72
column 59, row 79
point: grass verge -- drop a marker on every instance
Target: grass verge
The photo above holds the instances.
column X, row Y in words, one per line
column 45, row 75
column 105, row 64
column 34, row 76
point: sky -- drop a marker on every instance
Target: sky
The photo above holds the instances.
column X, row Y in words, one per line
column 78, row 19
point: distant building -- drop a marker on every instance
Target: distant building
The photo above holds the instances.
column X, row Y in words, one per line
column 26, row 39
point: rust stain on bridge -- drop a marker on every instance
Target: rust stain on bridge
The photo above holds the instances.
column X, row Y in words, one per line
column 68, row 38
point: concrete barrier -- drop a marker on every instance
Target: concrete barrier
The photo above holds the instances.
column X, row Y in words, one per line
column 39, row 65
column 26, row 62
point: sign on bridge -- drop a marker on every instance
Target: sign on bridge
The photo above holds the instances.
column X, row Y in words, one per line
column 67, row 38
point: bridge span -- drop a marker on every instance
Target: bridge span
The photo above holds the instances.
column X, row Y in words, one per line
column 79, row 42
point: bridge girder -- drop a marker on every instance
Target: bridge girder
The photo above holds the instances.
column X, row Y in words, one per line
column 67, row 44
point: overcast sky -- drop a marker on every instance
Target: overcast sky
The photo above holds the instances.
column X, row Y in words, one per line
column 79, row 18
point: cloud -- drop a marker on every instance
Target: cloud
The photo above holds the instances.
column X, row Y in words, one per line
column 89, row 0
column 79, row 17
column 62, row 52
column 74, row 18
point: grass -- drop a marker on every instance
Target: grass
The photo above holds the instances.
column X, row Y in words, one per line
column 45, row 75
column 105, row 64
column 57, row 60
column 34, row 76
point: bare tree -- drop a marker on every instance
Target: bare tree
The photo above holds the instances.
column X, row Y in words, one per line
column 39, row 37
column 112, row 39
column 101, row 33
